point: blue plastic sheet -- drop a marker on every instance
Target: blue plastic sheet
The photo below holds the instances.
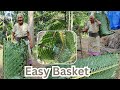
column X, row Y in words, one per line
column 114, row 18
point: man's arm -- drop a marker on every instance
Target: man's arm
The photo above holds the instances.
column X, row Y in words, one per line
column 13, row 32
column 98, row 22
column 13, row 35
column 85, row 29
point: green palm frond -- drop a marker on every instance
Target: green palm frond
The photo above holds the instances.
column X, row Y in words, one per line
column 102, row 67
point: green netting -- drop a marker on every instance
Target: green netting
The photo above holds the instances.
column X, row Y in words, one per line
column 14, row 59
column 102, row 67
column 104, row 28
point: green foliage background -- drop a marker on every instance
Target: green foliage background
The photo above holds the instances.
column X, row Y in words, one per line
column 57, row 47
column 47, row 20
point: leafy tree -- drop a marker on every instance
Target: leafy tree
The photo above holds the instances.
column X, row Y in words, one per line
column 80, row 19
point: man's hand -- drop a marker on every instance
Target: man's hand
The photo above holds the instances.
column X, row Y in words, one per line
column 13, row 36
column 99, row 23
column 13, row 41
column 85, row 30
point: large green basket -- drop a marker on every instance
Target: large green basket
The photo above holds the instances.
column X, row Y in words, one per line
column 15, row 57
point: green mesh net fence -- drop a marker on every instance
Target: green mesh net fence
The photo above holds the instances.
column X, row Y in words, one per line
column 102, row 67
column 104, row 28
column 15, row 57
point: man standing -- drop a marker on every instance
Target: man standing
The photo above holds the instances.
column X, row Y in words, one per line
column 94, row 39
column 20, row 31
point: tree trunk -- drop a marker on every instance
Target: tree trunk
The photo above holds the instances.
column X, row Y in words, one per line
column 65, row 15
column 71, row 26
column 70, row 22
column 31, row 25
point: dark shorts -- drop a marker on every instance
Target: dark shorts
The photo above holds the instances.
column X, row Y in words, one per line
column 93, row 34
column 19, row 38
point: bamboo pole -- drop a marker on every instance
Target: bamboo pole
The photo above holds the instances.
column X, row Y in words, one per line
column 69, row 20
column 71, row 26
